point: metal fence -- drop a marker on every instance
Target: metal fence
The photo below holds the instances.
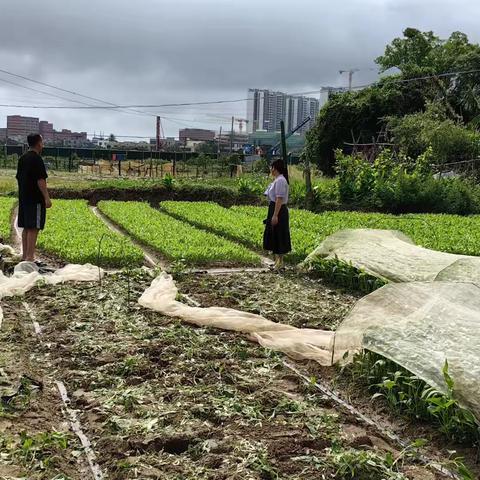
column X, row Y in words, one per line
column 132, row 163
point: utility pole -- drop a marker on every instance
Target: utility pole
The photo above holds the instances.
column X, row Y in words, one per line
column 231, row 136
column 158, row 133
column 350, row 76
column 218, row 145
column 284, row 143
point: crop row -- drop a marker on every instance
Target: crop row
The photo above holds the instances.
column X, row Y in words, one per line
column 447, row 233
column 6, row 207
column 175, row 239
column 244, row 224
column 76, row 235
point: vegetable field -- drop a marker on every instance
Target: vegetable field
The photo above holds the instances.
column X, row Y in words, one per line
column 174, row 239
column 222, row 221
column 74, row 234
column 162, row 400
column 447, row 233
column 6, row 207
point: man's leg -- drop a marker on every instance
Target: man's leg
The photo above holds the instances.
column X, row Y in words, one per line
column 32, row 234
column 24, row 244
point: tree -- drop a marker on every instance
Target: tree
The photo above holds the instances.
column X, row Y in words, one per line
column 413, row 54
column 448, row 140
column 424, row 54
column 209, row 146
column 112, row 138
column 416, row 55
column 360, row 115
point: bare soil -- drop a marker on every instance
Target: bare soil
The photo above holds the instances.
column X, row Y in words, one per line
column 285, row 298
column 164, row 400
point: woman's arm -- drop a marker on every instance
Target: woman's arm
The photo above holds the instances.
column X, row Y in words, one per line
column 278, row 206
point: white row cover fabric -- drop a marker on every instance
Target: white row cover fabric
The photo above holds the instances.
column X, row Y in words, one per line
column 298, row 343
column 26, row 276
column 391, row 255
column 430, row 315
column 420, row 325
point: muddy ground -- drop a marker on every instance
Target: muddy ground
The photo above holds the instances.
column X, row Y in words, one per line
column 163, row 400
column 287, row 298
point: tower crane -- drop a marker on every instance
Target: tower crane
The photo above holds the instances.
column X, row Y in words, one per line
column 350, row 75
column 240, row 122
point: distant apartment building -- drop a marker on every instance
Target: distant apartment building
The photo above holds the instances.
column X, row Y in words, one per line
column 267, row 108
column 19, row 127
column 3, row 134
column 195, row 135
column 46, row 130
column 69, row 138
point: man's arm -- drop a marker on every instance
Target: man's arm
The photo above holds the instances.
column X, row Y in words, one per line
column 42, row 185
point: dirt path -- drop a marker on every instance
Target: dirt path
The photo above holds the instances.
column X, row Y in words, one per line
column 151, row 258
column 159, row 399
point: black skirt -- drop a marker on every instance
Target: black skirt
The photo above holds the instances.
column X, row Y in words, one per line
column 277, row 239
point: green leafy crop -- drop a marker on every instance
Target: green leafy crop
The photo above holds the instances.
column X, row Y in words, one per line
column 76, row 235
column 174, row 239
column 6, row 207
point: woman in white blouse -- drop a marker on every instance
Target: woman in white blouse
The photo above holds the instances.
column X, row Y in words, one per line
column 276, row 238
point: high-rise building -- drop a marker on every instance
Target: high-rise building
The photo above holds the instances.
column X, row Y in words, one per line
column 327, row 92
column 19, row 126
column 266, row 109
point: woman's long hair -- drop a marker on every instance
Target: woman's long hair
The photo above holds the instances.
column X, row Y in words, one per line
column 280, row 167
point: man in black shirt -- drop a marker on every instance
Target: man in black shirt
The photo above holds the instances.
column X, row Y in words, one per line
column 33, row 198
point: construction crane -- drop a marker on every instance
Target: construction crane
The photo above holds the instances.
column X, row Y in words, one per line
column 240, row 122
column 350, row 75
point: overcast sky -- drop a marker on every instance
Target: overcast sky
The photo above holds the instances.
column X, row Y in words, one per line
column 169, row 51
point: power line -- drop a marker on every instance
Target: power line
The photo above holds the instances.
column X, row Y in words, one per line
column 40, row 91
column 61, row 89
column 116, row 107
column 212, row 102
column 71, row 92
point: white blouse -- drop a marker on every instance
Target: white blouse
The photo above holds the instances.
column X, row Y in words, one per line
column 278, row 188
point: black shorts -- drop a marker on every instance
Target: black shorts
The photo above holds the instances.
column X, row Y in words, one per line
column 31, row 215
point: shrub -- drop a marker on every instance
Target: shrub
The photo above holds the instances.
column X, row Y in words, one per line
column 249, row 186
column 403, row 185
column 261, row 166
column 450, row 141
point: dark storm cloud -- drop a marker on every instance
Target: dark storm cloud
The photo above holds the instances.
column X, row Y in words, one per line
column 188, row 50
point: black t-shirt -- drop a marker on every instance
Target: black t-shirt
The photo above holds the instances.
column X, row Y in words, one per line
column 30, row 169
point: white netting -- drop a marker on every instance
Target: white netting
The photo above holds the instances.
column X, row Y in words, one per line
column 26, row 276
column 298, row 343
column 419, row 323
column 392, row 255
column 419, row 326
